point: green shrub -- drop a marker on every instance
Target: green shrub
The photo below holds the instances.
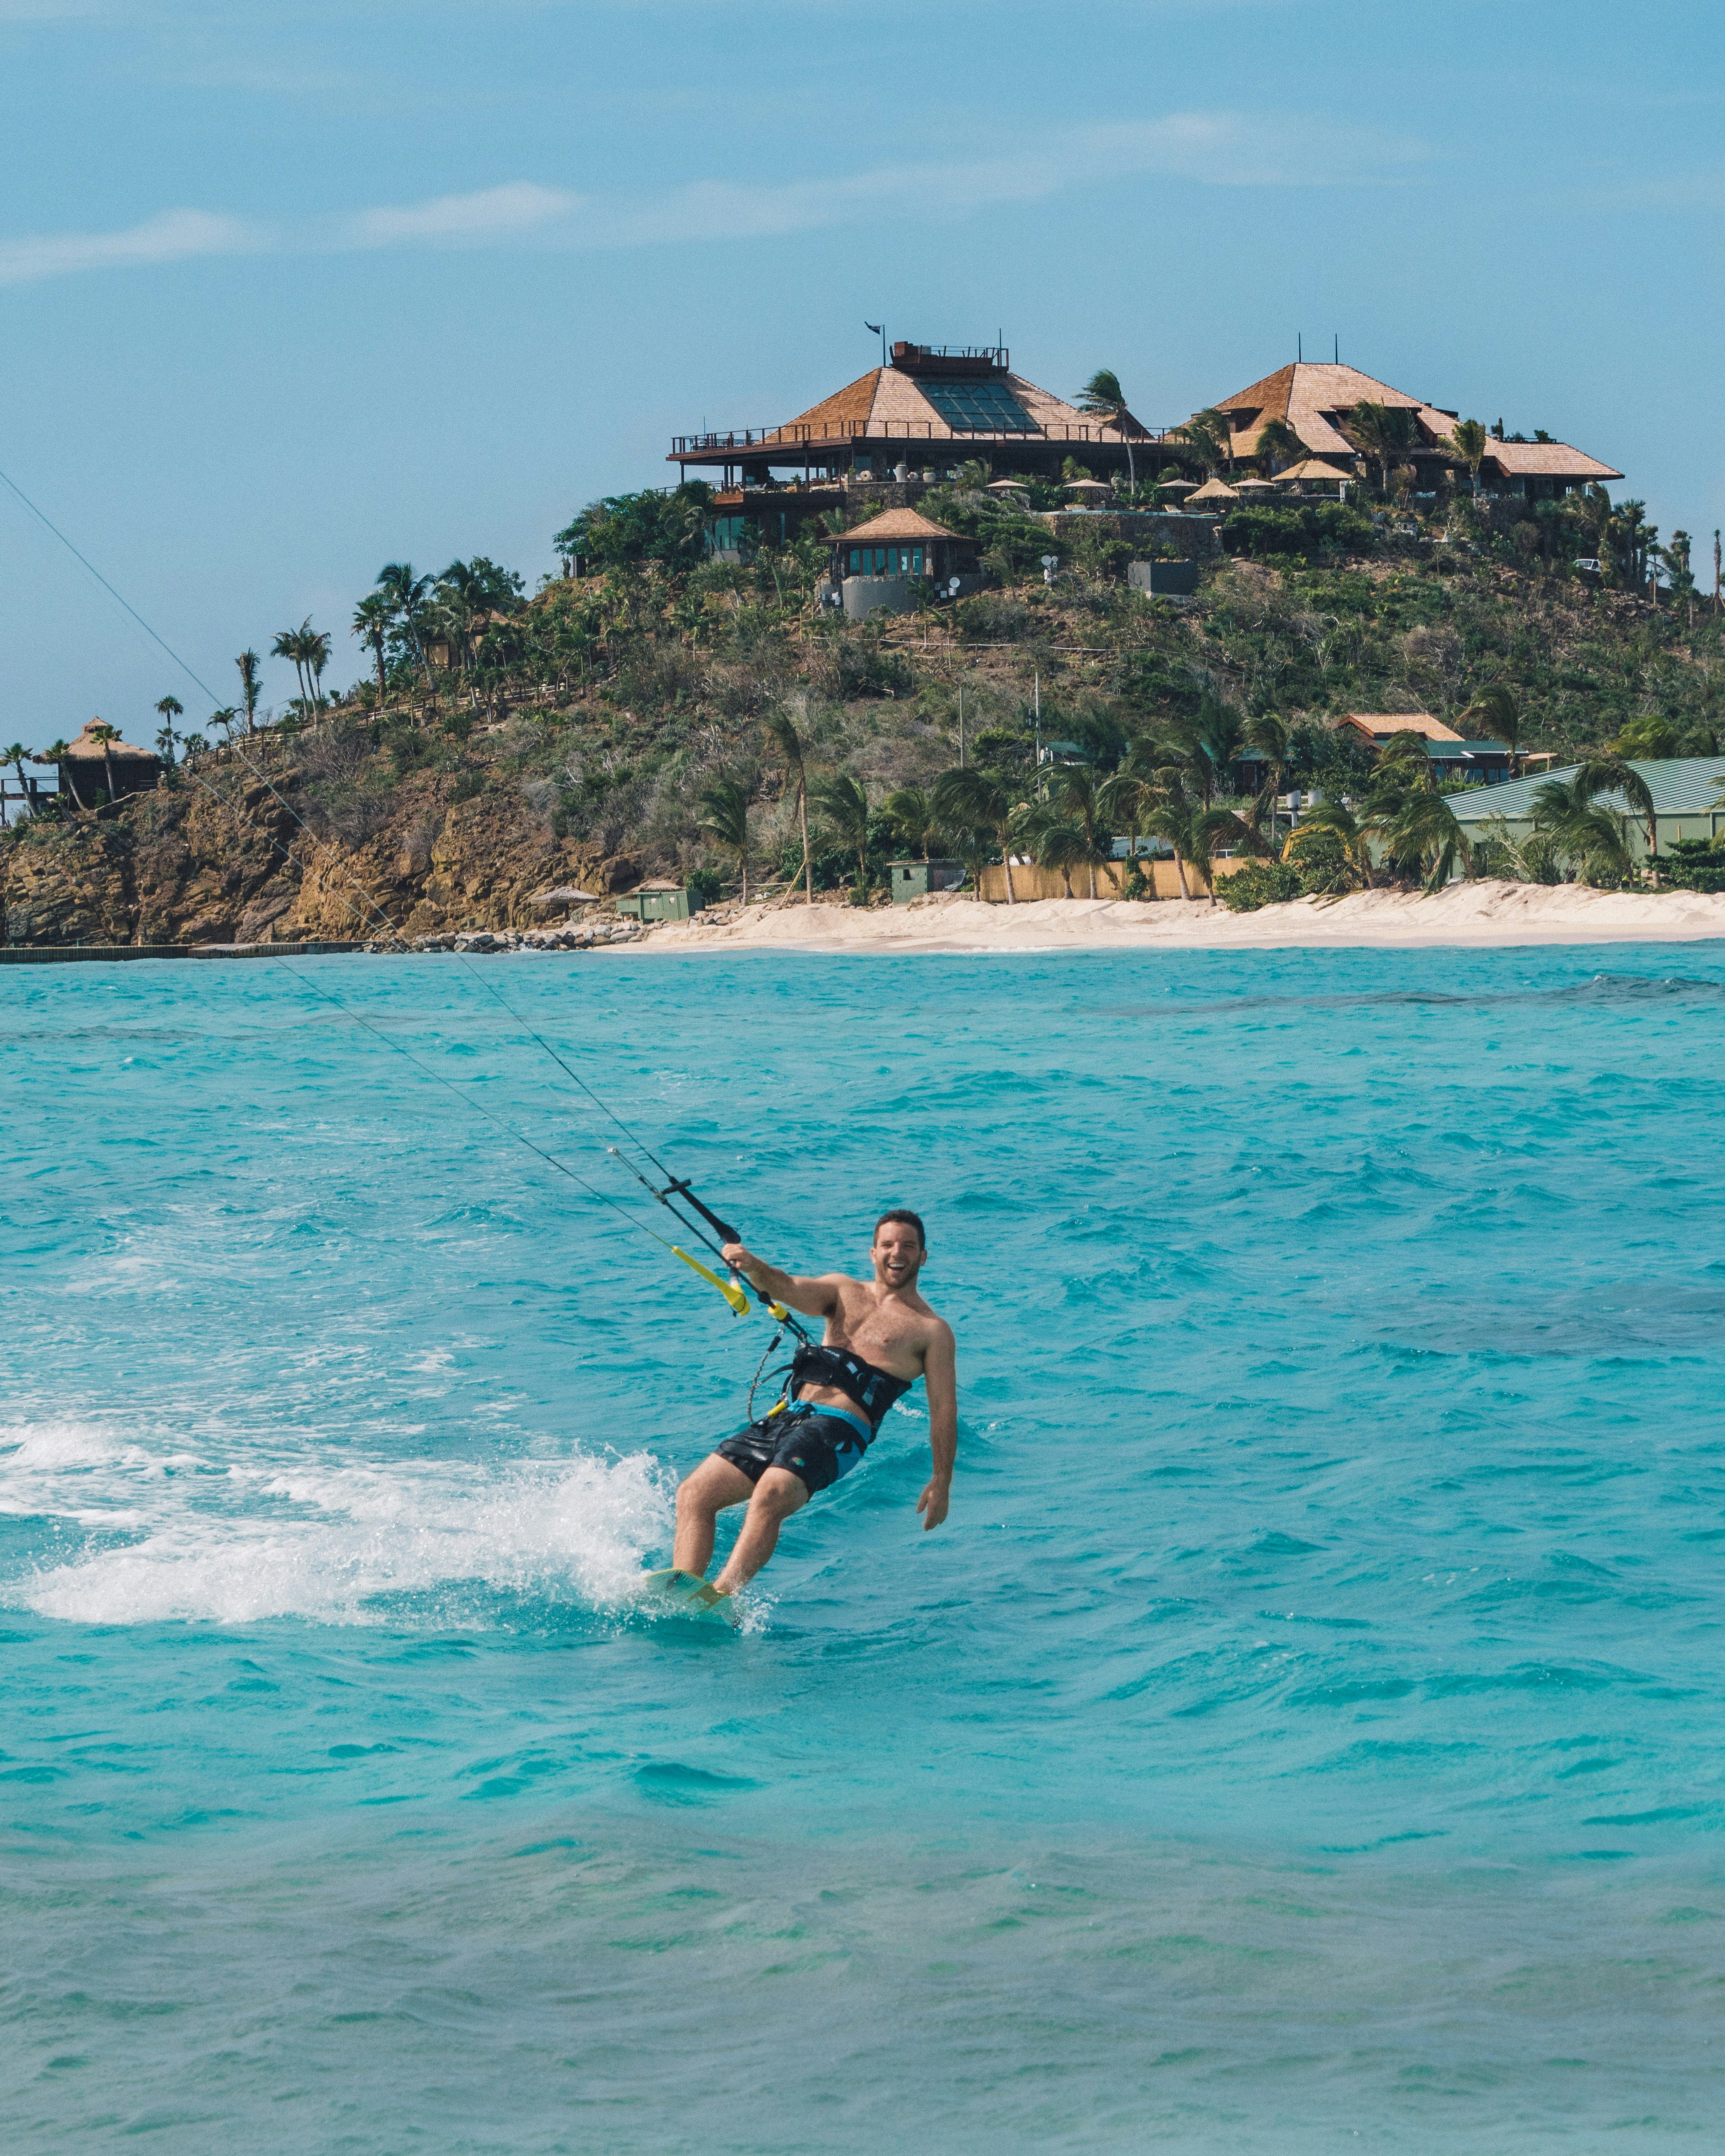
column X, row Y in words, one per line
column 1259, row 883
column 1692, row 865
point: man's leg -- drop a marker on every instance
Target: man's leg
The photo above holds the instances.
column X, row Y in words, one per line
column 712, row 1488
column 777, row 1495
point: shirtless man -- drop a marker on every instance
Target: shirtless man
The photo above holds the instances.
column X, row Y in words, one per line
column 881, row 1338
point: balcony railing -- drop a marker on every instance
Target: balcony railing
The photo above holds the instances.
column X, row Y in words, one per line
column 743, row 441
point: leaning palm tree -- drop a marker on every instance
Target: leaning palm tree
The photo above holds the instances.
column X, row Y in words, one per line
column 725, row 816
column 1586, row 834
column 1610, row 774
column 58, row 753
column 1577, row 821
column 784, row 742
column 844, row 807
column 1265, row 733
column 975, row 800
column 289, row 645
column 1103, row 397
column 1423, row 839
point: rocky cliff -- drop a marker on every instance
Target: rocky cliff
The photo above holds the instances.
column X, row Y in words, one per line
column 226, row 858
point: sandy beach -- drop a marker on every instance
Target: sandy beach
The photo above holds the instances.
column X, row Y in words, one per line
column 1472, row 913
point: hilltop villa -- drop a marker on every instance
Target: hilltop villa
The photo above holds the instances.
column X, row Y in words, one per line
column 1316, row 402
column 913, row 422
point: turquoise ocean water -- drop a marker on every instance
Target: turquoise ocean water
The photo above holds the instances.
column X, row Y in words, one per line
column 1304, row 1736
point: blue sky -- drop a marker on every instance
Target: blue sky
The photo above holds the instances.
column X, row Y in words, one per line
column 292, row 291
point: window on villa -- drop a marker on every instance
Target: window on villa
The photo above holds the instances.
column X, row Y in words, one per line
column 983, row 407
column 885, row 561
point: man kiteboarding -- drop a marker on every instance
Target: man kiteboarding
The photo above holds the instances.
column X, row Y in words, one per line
column 881, row 1338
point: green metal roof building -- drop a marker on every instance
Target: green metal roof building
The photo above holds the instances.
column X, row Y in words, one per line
column 1687, row 790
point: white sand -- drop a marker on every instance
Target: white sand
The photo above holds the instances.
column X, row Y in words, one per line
column 1465, row 914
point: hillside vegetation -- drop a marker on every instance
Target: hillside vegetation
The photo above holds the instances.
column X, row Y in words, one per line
column 500, row 744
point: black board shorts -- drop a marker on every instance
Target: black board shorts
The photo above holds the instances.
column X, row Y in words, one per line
column 817, row 1448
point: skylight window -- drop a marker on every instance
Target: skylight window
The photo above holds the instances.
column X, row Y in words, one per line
column 978, row 407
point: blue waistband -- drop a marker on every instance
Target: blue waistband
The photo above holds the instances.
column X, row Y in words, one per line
column 838, row 1414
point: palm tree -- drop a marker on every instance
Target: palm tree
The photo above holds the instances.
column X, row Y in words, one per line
column 56, row 753
column 251, row 685
column 911, row 808
column 1610, row 774
column 404, row 594
column 1496, row 708
column 783, row 741
column 170, row 708
column 225, row 719
column 1352, row 860
column 725, row 816
column 1266, row 735
column 1422, row 837
column 314, row 649
column 975, row 800
column 15, row 756
column 1064, row 847
column 1579, row 828
column 1103, row 397
column 1278, row 445
column 1384, row 431
column 1074, row 789
column 289, row 644
column 1209, row 436
column 844, row 805
column 370, row 624
column 1470, row 437
column 107, row 736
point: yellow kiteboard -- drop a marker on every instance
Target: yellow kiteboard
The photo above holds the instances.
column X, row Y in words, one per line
column 674, row 1593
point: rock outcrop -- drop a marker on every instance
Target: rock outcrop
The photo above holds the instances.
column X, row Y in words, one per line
column 235, row 859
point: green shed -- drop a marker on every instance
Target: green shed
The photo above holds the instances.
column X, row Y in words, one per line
column 655, row 901
column 916, row 879
column 1687, row 792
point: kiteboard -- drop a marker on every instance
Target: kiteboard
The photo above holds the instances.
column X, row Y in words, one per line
column 674, row 1593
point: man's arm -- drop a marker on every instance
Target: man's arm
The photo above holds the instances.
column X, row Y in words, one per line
column 941, row 1377
column 814, row 1298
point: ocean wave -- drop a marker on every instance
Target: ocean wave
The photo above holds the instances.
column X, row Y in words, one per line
column 170, row 1532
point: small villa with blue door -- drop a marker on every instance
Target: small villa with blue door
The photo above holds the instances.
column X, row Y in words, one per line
column 902, row 542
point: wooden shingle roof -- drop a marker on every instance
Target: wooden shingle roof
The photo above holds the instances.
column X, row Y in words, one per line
column 1546, row 460
column 897, row 524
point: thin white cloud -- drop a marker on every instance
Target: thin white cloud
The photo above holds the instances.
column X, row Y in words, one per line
column 491, row 214
column 175, row 235
column 1215, row 148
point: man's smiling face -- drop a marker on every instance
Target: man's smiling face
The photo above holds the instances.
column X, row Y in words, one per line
column 898, row 1254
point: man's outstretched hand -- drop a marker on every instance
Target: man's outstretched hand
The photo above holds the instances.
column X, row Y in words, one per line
column 933, row 1504
column 738, row 1259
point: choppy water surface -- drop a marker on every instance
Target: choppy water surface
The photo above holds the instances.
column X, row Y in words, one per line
column 1305, row 1735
